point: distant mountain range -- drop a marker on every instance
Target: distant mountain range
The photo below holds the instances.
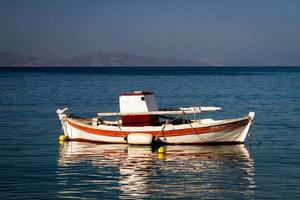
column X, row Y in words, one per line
column 8, row 59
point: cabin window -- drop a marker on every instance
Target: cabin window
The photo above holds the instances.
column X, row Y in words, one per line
column 143, row 98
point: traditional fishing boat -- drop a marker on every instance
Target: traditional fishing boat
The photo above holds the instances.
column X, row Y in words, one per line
column 140, row 121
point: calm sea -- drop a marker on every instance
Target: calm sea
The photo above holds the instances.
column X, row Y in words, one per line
column 34, row 165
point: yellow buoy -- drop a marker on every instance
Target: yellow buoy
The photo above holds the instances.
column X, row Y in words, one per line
column 161, row 156
column 161, row 150
column 63, row 138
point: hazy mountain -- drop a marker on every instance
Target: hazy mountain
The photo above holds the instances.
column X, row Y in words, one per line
column 8, row 59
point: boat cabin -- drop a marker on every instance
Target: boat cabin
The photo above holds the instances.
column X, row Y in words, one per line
column 139, row 108
column 138, row 102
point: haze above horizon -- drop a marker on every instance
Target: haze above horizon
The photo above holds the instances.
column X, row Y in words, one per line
column 256, row 32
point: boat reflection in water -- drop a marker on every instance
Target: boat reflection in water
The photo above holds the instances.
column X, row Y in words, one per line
column 90, row 170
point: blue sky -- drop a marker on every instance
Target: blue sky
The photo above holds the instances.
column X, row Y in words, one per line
column 253, row 32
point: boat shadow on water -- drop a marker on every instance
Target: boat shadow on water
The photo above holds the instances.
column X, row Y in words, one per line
column 127, row 171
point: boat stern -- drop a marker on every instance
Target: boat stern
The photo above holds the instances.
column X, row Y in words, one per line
column 62, row 117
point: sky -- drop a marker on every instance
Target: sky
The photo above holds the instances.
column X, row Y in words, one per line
column 250, row 32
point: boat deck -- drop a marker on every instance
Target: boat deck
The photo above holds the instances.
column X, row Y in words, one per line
column 89, row 121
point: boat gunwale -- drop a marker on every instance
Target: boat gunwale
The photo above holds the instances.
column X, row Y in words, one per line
column 199, row 124
column 188, row 129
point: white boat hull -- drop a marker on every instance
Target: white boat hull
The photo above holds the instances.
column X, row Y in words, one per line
column 224, row 131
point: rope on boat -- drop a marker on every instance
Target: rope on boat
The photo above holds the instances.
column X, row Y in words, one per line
column 195, row 132
column 162, row 130
column 183, row 114
column 118, row 122
column 251, row 137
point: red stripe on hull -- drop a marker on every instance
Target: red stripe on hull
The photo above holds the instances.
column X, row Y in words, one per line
column 177, row 143
column 187, row 131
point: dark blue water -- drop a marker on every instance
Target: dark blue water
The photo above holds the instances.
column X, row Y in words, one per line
column 34, row 165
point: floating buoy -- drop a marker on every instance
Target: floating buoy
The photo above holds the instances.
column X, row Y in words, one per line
column 63, row 138
column 139, row 138
column 161, row 156
column 161, row 150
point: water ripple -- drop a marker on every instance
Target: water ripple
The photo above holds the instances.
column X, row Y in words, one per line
column 139, row 172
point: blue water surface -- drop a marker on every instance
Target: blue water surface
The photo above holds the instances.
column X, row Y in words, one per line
column 34, row 165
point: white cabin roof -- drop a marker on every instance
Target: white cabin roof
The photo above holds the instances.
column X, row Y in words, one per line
column 137, row 101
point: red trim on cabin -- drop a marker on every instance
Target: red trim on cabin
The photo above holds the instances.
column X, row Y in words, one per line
column 187, row 131
column 139, row 120
column 135, row 93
